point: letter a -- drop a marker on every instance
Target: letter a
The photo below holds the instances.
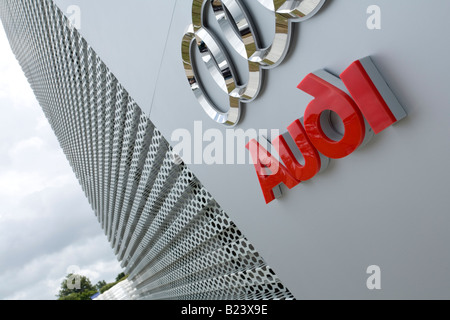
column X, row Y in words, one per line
column 374, row 281
column 279, row 174
column 374, row 21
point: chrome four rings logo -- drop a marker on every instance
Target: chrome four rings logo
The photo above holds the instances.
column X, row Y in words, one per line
column 240, row 32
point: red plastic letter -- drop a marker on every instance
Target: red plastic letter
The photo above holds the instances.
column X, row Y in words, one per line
column 262, row 159
column 310, row 154
column 329, row 97
column 377, row 102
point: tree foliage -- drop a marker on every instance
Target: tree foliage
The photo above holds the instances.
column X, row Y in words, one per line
column 78, row 287
column 120, row 277
column 100, row 285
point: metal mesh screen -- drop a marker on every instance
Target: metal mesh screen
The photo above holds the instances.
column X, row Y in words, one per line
column 121, row 291
column 171, row 236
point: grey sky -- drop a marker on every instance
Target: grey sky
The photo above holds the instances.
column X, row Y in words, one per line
column 46, row 223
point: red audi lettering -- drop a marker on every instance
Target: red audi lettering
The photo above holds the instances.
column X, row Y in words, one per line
column 310, row 155
column 263, row 160
column 329, row 97
column 373, row 99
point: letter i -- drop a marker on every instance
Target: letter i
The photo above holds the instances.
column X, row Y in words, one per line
column 373, row 96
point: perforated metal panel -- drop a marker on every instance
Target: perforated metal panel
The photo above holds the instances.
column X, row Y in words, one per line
column 171, row 236
column 121, row 291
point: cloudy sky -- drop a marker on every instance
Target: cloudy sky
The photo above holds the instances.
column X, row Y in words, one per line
column 47, row 227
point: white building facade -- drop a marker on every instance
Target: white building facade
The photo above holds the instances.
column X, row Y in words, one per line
column 121, row 291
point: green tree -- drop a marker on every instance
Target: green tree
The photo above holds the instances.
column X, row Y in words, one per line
column 76, row 287
column 100, row 284
column 120, row 276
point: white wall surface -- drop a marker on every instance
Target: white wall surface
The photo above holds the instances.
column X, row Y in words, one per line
column 388, row 204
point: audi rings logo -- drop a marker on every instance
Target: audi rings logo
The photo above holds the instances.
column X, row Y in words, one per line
column 239, row 30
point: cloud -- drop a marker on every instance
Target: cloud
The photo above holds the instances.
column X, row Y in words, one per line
column 41, row 277
column 46, row 223
column 33, row 165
